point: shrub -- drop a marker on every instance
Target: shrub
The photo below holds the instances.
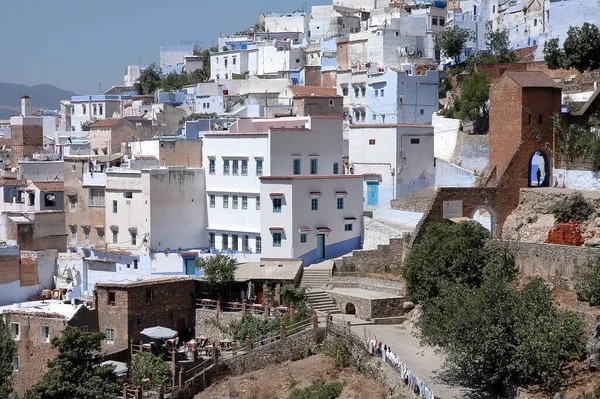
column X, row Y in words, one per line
column 573, row 208
column 335, row 349
column 587, row 282
column 147, row 366
column 319, row 389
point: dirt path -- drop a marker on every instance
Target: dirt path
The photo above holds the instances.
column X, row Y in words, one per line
column 277, row 381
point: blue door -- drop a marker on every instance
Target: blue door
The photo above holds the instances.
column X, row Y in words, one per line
column 190, row 267
column 372, row 193
column 320, row 246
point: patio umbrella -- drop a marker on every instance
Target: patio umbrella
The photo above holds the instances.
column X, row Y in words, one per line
column 120, row 367
column 159, row 332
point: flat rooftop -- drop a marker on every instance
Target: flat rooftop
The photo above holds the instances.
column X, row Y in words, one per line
column 362, row 293
column 47, row 308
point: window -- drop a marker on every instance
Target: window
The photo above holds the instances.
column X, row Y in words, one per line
column 296, row 166
column 303, row 237
column 356, row 92
column 114, row 206
column 212, row 200
column 95, row 110
column 224, row 241
column 110, row 336
column 376, row 93
column 235, row 169
column 100, row 232
column 313, row 166
column 211, row 166
column 348, row 227
column 374, row 117
column 244, row 167
column 226, row 166
column 381, row 91
column 226, row 201
column 115, row 236
column 415, row 141
column 234, row 204
column 86, row 232
column 443, row 20
column 73, row 233
column 96, row 197
column 211, row 239
column 371, row 141
column 540, row 118
column 257, row 203
column 530, row 119
column 16, row 363
column 234, row 60
column 127, row 194
column 149, row 294
column 133, row 237
column 297, row 60
column 83, row 108
column 45, row 334
column 277, row 205
column 246, row 243
column 396, row 33
column 259, row 167
column 363, row 91
column 15, row 331
column 331, row 103
column 345, row 91
column 135, row 264
column 84, row 328
column 234, row 242
column 340, row 203
column 244, row 202
column 112, row 301
column 336, row 168
column 73, row 203
column 422, row 112
column 258, row 245
column 100, row 109
column 535, row 22
column 434, row 21
column 50, row 200
column 276, row 239
column 314, row 204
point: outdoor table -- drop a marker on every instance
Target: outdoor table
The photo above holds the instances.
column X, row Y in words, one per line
column 146, row 347
column 208, row 349
column 225, row 343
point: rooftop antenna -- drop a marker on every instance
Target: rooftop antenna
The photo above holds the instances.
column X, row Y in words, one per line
column 100, row 88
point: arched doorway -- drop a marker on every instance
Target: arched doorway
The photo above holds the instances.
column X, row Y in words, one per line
column 539, row 170
column 350, row 308
column 486, row 218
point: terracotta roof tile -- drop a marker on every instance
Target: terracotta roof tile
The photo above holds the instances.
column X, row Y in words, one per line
column 531, row 79
column 339, row 116
column 313, row 91
column 51, row 186
column 13, row 182
column 104, row 123
column 5, row 142
column 388, row 125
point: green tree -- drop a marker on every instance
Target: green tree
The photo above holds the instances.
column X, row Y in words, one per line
column 581, row 49
column 452, row 41
column 218, row 269
column 173, row 81
column 85, row 126
column 146, row 366
column 8, row 349
column 76, row 372
column 586, row 280
column 447, row 254
column 572, row 208
column 149, row 79
column 474, row 96
column 499, row 45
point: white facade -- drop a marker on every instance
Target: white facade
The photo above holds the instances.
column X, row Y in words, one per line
column 131, row 75
column 88, row 108
column 397, row 159
column 331, row 20
column 312, row 209
column 286, row 22
column 224, row 64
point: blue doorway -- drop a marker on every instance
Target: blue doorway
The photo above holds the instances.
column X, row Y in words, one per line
column 190, row 267
column 372, row 193
column 320, row 246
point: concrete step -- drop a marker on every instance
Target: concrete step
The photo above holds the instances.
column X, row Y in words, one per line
column 320, row 301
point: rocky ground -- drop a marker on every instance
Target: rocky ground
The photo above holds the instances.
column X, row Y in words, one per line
column 276, row 381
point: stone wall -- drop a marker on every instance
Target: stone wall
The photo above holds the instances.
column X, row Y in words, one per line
column 411, row 204
column 383, row 259
column 371, row 284
column 296, row 347
column 554, row 263
column 207, row 328
column 368, row 309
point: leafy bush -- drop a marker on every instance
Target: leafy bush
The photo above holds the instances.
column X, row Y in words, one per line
column 148, row 366
column 295, row 297
column 319, row 389
column 574, row 207
column 252, row 326
column 587, row 282
column 335, row 349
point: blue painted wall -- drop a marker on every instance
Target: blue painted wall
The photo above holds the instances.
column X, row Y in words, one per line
column 332, row 251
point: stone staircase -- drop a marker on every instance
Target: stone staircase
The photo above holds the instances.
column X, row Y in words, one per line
column 317, row 275
column 321, row 302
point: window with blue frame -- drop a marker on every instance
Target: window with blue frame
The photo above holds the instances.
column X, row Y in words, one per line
column 348, row 227
column 277, row 205
column 313, row 166
column 340, row 203
column 244, row 167
column 226, row 166
column 336, row 168
column 276, row 239
column 296, row 166
column 259, row 167
column 303, row 237
column 314, row 204
column 211, row 166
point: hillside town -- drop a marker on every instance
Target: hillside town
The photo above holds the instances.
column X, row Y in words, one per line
column 404, row 191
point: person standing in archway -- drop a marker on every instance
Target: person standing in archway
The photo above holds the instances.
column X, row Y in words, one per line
column 538, row 174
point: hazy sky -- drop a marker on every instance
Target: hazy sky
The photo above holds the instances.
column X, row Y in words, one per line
column 79, row 44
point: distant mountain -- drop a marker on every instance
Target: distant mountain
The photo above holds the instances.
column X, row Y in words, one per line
column 42, row 96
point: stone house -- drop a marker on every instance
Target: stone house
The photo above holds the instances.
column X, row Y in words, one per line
column 33, row 325
column 106, row 135
column 124, row 310
column 311, row 100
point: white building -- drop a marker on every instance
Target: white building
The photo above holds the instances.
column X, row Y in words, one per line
column 291, row 147
column 396, row 159
column 286, row 22
column 154, row 214
column 93, row 108
column 331, row 20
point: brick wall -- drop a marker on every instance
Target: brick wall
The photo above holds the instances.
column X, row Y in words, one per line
column 26, row 141
column 181, row 153
column 312, row 76
column 10, row 261
column 329, row 79
column 411, row 204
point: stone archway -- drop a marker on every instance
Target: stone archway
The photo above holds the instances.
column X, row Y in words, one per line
column 350, row 308
column 486, row 217
column 539, row 167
